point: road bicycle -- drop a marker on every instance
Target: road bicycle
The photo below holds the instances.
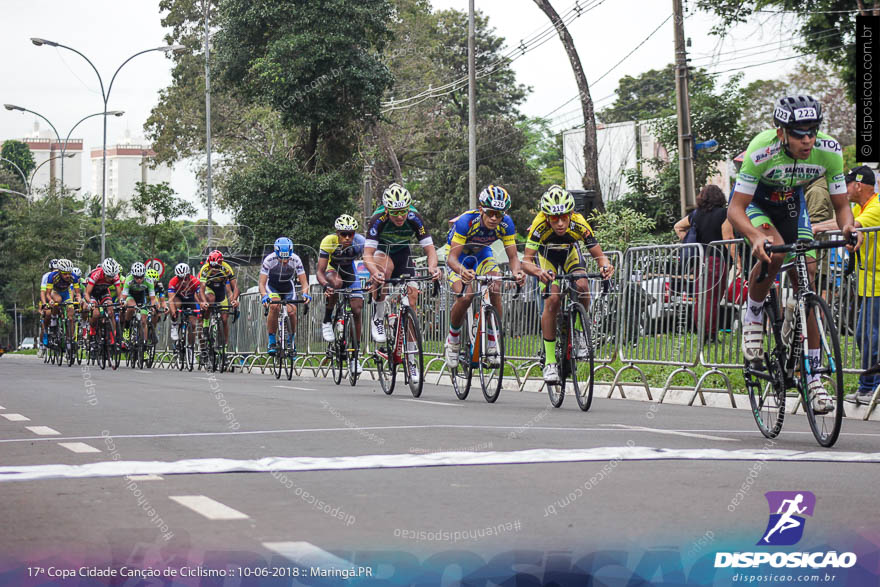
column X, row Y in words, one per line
column 575, row 352
column 141, row 349
column 184, row 350
column 477, row 351
column 106, row 348
column 403, row 345
column 346, row 344
column 784, row 364
column 213, row 355
column 285, row 351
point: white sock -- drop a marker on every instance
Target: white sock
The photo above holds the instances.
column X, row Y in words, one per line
column 813, row 355
column 754, row 312
column 380, row 310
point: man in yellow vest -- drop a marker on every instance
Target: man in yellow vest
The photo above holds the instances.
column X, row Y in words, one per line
column 866, row 211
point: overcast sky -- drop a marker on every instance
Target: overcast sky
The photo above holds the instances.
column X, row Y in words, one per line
column 62, row 86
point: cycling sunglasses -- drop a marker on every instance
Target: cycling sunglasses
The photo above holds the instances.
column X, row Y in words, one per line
column 402, row 212
column 494, row 213
column 346, row 233
column 800, row 134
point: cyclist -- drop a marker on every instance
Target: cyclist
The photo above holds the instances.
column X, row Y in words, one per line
column 161, row 298
column 183, row 292
column 45, row 311
column 58, row 286
column 98, row 284
column 768, row 206
column 83, row 308
column 553, row 238
column 336, row 270
column 134, row 293
column 470, row 254
column 277, row 273
column 218, row 280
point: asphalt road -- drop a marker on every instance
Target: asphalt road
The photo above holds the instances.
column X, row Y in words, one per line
column 360, row 471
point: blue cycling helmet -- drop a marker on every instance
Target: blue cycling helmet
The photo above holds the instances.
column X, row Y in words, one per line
column 283, row 247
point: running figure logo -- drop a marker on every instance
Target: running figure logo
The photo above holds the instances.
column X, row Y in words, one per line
column 786, row 525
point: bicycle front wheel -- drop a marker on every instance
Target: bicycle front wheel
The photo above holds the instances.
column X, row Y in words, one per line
column 829, row 369
column 352, row 343
column 285, row 347
column 491, row 354
column 556, row 390
column 462, row 373
column 581, row 357
column 413, row 360
column 766, row 385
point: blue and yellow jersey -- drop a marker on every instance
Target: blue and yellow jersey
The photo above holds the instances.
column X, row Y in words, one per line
column 55, row 280
column 468, row 230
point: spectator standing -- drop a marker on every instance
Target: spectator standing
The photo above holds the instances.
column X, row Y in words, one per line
column 818, row 199
column 861, row 192
column 709, row 222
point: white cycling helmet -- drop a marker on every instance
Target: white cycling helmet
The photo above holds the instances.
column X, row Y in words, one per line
column 111, row 267
column 396, row 197
column 77, row 271
column 64, row 265
column 138, row 269
column 181, row 270
column 346, row 222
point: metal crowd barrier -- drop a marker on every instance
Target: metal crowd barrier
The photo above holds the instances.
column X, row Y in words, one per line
column 676, row 306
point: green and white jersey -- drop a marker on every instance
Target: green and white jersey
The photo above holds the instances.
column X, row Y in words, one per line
column 770, row 176
column 130, row 287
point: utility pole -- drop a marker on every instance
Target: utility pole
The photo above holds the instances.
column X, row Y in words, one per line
column 682, row 106
column 472, row 111
column 368, row 193
column 207, row 7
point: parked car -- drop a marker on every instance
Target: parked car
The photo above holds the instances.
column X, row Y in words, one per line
column 27, row 344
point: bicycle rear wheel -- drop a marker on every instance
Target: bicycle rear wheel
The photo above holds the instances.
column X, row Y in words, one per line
column 556, row 391
column 491, row 356
column 337, row 355
column 463, row 373
column 413, row 360
column 581, row 357
column 352, row 343
column 829, row 368
column 766, row 387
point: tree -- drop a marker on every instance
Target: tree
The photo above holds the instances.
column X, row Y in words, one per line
column 313, row 62
column 276, row 197
column 543, row 151
column 20, row 154
column 715, row 113
column 158, row 204
column 591, row 150
column 827, row 27
column 651, row 94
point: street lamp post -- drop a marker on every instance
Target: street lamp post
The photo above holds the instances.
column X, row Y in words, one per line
column 67, row 139
column 27, row 186
column 105, row 95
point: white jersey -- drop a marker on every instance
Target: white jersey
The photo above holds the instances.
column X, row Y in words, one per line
column 281, row 274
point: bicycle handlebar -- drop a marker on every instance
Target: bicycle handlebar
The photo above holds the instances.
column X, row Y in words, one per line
column 571, row 277
column 488, row 278
column 803, row 246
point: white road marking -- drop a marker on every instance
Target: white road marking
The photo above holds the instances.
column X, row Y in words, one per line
column 425, row 401
column 410, row 427
column 78, row 447
column 307, row 554
column 16, row 417
column 2, row 408
column 294, row 387
column 209, row 508
column 399, row 461
column 42, row 430
column 675, row 432
column 145, row 477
